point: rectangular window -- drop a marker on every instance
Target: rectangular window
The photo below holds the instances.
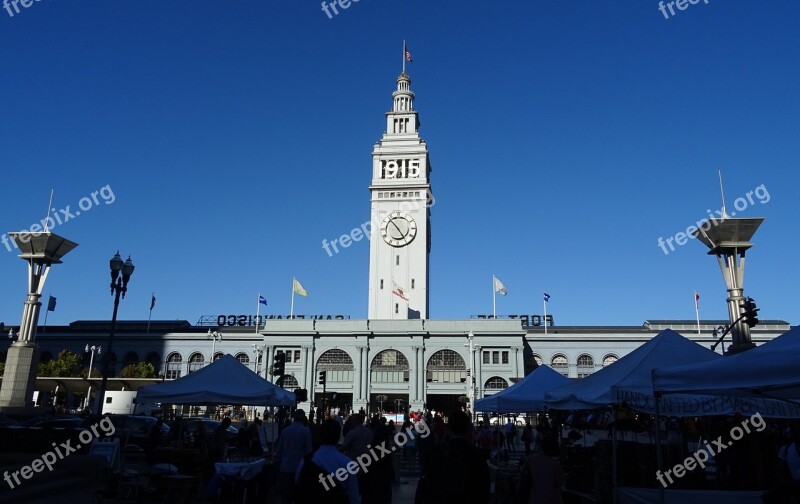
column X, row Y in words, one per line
column 396, row 308
column 297, row 355
column 412, row 283
column 495, row 357
column 486, row 357
column 397, row 261
column 381, row 284
column 505, row 357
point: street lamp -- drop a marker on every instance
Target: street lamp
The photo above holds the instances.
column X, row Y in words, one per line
column 119, row 286
column 257, row 352
column 40, row 251
column 214, row 336
column 93, row 349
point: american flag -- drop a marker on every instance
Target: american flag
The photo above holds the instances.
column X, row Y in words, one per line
column 408, row 56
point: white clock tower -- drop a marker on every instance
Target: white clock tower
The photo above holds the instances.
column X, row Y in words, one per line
column 401, row 198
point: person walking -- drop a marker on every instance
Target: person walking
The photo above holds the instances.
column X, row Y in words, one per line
column 294, row 444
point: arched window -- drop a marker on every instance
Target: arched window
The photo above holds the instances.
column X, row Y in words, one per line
column 196, row 361
column 390, row 366
column 337, row 364
column 495, row 383
column 174, row 365
column 153, row 358
column 289, row 382
column 585, row 365
column 243, row 358
column 218, row 355
column 446, row 366
column 131, row 358
column 609, row 359
column 560, row 364
column 538, row 359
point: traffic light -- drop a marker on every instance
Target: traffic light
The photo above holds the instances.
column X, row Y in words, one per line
column 279, row 364
column 301, row 395
column 750, row 312
column 323, row 375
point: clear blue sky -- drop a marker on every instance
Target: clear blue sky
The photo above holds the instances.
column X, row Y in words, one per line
column 565, row 139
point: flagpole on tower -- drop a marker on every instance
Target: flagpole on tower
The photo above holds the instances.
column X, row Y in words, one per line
column 404, row 56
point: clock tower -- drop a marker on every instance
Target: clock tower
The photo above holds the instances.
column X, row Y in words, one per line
column 401, row 198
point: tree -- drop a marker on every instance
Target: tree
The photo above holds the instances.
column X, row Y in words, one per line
column 139, row 370
column 66, row 365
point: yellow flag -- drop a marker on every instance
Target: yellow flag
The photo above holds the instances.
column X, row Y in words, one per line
column 298, row 289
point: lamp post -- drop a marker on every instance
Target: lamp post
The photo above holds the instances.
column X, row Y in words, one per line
column 214, row 336
column 257, row 352
column 93, row 349
column 40, row 251
column 119, row 286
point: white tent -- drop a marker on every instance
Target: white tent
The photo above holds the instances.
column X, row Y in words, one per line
column 225, row 381
column 754, row 379
column 526, row 395
column 629, row 379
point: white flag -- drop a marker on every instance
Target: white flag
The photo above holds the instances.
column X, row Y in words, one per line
column 499, row 287
column 399, row 292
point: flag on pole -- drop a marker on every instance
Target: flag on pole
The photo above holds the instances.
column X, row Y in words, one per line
column 408, row 54
column 153, row 302
column 298, row 288
column 399, row 292
column 696, row 297
column 262, row 299
column 499, row 287
column 51, row 304
column 546, row 297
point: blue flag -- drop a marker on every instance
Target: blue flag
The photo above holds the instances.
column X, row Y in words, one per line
column 262, row 300
column 546, row 297
column 51, row 304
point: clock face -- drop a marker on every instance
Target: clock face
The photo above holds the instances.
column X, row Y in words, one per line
column 398, row 229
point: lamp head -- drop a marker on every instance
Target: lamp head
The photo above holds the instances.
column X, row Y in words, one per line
column 116, row 265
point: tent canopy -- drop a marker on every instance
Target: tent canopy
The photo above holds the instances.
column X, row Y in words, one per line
column 224, row 381
column 524, row 396
column 761, row 374
column 628, row 380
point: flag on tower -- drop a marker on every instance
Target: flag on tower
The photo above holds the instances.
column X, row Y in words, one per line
column 408, row 55
column 153, row 301
column 696, row 297
column 299, row 289
column 499, row 287
column 51, row 304
column 399, row 292
column 546, row 297
column 262, row 300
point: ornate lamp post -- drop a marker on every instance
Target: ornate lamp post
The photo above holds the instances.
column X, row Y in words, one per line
column 119, row 286
column 40, row 251
column 214, row 336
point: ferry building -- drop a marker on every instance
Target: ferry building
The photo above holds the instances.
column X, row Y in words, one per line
column 398, row 357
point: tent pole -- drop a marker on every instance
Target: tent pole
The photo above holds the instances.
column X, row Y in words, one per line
column 614, row 474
